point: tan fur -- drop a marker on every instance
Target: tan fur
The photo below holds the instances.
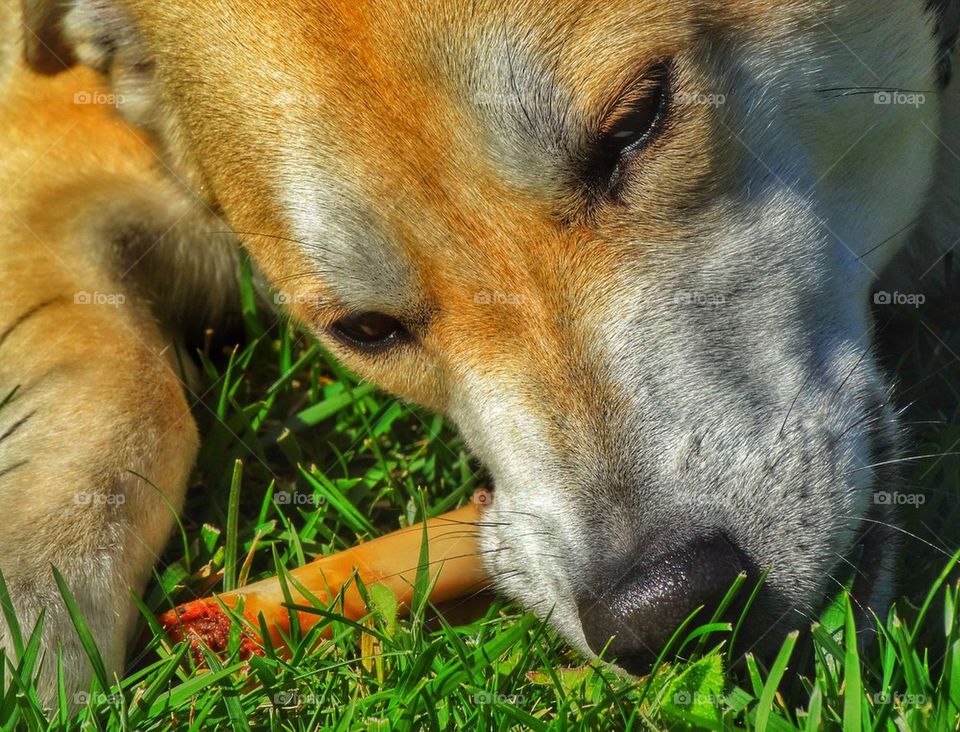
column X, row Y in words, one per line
column 463, row 239
column 98, row 398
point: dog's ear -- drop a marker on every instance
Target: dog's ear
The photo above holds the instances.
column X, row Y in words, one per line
column 98, row 34
column 45, row 46
column 948, row 27
column 61, row 33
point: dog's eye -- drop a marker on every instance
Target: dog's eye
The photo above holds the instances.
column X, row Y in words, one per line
column 369, row 332
column 628, row 128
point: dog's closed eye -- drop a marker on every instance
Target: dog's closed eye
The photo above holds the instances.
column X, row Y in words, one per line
column 629, row 126
column 369, row 333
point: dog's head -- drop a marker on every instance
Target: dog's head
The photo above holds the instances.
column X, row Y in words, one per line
column 627, row 247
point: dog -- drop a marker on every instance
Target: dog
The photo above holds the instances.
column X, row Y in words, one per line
column 628, row 249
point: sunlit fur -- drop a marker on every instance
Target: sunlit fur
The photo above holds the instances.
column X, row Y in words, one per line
column 693, row 355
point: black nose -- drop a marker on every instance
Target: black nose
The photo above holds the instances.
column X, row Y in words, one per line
column 640, row 607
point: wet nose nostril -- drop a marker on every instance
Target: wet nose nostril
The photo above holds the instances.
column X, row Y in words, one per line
column 632, row 611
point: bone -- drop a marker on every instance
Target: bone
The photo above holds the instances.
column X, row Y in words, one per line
column 391, row 560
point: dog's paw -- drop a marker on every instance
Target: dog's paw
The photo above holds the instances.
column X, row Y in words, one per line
column 37, row 606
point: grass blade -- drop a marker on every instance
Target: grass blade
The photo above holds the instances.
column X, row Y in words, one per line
column 83, row 632
column 765, row 704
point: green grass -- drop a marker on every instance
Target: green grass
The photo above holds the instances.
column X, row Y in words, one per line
column 299, row 459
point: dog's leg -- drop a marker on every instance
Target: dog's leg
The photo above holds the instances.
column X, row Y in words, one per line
column 96, row 445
